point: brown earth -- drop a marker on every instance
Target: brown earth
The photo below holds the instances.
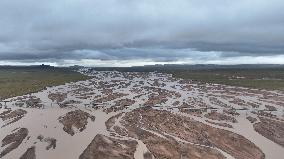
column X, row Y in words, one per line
column 124, row 102
column 77, row 119
column 34, row 102
column 58, row 97
column 251, row 119
column 51, row 143
column 120, row 105
column 68, row 103
column 189, row 130
column 103, row 147
column 220, row 117
column 270, row 108
column 271, row 129
column 29, row 154
column 220, row 124
column 111, row 121
column 194, row 112
column 171, row 149
column 109, row 97
column 13, row 140
column 15, row 115
column 155, row 100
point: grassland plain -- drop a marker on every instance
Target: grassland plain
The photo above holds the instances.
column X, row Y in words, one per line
column 16, row 81
column 269, row 79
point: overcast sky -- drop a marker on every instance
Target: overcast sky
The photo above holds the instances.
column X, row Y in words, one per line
column 138, row 32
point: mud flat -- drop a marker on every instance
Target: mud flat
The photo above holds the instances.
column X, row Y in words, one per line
column 220, row 117
column 191, row 131
column 107, row 147
column 142, row 115
column 271, row 129
column 220, row 124
column 269, row 148
column 75, row 119
column 10, row 116
column 29, row 154
column 13, row 140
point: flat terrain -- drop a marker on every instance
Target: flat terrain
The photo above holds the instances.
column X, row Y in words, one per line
column 16, row 81
column 270, row 79
column 139, row 115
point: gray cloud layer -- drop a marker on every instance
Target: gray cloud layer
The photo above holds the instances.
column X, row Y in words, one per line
column 135, row 29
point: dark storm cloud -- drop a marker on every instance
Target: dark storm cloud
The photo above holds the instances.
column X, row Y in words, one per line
column 134, row 29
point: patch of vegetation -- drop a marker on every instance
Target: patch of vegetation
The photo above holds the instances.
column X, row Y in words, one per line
column 270, row 79
column 15, row 81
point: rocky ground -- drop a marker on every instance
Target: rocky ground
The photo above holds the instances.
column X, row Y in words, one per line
column 143, row 115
